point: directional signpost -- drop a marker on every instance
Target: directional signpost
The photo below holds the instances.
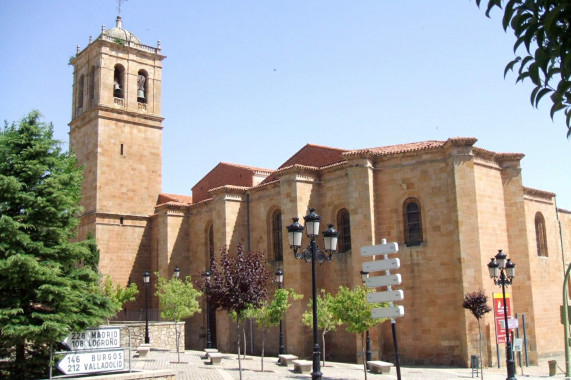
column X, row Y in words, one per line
column 76, row 362
column 93, row 350
column 96, row 338
column 388, row 280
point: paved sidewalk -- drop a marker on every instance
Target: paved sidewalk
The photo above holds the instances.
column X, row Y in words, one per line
column 194, row 366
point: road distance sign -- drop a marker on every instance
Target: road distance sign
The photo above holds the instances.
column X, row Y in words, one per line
column 388, row 280
column 372, row 266
column 76, row 362
column 388, row 296
column 94, row 338
column 388, row 312
column 379, row 249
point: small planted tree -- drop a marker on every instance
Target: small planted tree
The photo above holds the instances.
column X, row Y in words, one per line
column 326, row 320
column 352, row 309
column 477, row 303
column 238, row 281
column 119, row 295
column 270, row 314
column 178, row 300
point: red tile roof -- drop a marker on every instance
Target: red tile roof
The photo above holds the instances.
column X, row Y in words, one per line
column 312, row 155
column 165, row 197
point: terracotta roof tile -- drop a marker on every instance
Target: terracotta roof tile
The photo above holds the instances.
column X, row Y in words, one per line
column 165, row 197
column 313, row 156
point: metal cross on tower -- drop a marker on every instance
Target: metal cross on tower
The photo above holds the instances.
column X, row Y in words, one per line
column 119, row 6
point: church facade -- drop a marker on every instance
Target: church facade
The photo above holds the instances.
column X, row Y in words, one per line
column 450, row 205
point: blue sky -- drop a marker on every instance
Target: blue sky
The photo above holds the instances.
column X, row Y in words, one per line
column 251, row 82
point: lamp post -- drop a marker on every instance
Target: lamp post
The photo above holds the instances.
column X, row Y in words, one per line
column 207, row 274
column 502, row 270
column 313, row 253
column 280, row 281
column 176, row 273
column 146, row 278
column 368, row 357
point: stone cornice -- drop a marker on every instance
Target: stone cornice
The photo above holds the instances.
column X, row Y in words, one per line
column 497, row 157
column 538, row 193
column 171, row 208
column 229, row 192
column 107, row 41
column 106, row 112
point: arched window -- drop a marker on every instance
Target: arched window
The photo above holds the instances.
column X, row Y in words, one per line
column 540, row 235
column 412, row 222
column 81, row 89
column 142, row 86
column 277, row 237
column 210, row 248
column 92, row 83
column 344, row 228
column 118, row 81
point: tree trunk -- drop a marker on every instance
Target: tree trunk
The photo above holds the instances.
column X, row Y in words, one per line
column 263, row 344
column 323, row 340
column 239, row 360
column 363, row 356
column 177, row 332
column 480, row 349
column 20, row 362
column 245, row 341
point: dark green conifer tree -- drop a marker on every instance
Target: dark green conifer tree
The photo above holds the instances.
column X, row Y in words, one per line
column 46, row 289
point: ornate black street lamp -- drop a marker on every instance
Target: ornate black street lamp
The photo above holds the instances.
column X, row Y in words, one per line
column 280, row 281
column 502, row 270
column 207, row 274
column 368, row 356
column 146, row 279
column 313, row 254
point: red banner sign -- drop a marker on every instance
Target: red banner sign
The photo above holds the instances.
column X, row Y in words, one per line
column 499, row 316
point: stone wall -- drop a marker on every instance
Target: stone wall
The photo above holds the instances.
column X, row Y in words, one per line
column 161, row 335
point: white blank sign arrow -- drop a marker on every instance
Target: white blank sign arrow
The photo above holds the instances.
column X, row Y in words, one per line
column 389, row 296
column 379, row 249
column 387, row 312
column 372, row 266
column 388, row 280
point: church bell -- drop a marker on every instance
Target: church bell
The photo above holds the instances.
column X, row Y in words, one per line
column 116, row 87
column 141, row 94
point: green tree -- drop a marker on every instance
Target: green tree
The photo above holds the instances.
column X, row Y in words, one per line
column 477, row 303
column 117, row 294
column 178, row 300
column 269, row 314
column 326, row 320
column 353, row 309
column 46, row 290
column 237, row 283
column 543, row 28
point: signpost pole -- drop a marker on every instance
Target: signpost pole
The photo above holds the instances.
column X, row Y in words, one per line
column 393, row 324
column 387, row 281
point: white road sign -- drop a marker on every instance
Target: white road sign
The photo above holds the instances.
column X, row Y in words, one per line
column 76, row 362
column 388, row 312
column 96, row 338
column 380, row 249
column 388, row 280
column 372, row 266
column 389, row 296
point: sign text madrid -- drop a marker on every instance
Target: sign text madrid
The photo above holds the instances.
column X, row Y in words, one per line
column 91, row 339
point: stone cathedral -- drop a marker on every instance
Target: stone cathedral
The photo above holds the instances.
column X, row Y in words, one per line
column 450, row 205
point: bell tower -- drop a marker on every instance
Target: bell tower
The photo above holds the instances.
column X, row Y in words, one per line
column 116, row 134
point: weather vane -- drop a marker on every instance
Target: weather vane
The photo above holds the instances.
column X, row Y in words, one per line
column 119, row 6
